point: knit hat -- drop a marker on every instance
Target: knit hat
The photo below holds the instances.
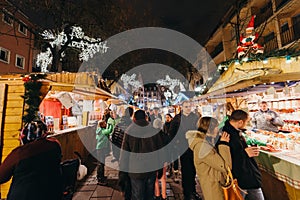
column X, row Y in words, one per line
column 32, row 131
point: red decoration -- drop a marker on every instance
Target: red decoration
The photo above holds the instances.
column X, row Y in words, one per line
column 248, row 43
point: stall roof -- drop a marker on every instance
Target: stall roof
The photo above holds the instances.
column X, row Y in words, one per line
column 249, row 90
column 81, row 83
column 91, row 92
column 245, row 76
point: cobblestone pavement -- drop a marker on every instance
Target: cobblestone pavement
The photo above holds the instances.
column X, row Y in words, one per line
column 88, row 189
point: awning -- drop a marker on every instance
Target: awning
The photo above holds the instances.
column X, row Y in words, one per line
column 79, row 83
column 250, row 74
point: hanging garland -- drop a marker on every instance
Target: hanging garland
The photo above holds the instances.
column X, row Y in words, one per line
column 32, row 96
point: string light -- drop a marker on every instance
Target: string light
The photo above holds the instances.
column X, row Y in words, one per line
column 245, row 59
column 75, row 39
column 265, row 61
column 220, row 67
column 288, row 59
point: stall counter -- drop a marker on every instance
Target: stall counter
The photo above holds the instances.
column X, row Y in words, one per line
column 280, row 174
column 78, row 139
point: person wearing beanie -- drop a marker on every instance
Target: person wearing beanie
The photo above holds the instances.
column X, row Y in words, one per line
column 34, row 166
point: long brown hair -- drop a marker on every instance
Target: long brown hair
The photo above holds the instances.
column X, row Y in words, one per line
column 207, row 124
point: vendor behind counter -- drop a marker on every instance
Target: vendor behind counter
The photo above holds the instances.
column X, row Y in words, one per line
column 266, row 119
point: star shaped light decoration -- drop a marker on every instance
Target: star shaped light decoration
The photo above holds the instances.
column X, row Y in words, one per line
column 130, row 80
column 171, row 83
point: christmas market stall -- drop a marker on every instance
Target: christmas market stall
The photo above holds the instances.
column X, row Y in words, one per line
column 277, row 82
column 69, row 103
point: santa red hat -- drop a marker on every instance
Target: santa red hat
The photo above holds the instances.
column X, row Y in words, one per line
column 250, row 26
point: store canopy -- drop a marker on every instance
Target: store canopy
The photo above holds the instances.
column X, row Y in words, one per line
column 249, row 90
column 79, row 83
column 251, row 74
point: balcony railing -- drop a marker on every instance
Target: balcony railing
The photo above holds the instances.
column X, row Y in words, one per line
column 270, row 45
column 280, row 3
column 291, row 34
column 287, row 36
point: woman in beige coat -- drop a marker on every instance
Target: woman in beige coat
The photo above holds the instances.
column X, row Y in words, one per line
column 211, row 162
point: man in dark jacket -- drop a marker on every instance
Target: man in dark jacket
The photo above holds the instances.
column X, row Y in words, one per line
column 119, row 130
column 244, row 167
column 117, row 140
column 140, row 141
column 183, row 122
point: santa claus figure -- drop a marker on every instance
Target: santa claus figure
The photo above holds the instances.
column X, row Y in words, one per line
column 248, row 43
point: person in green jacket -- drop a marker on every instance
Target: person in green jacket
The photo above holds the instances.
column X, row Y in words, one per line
column 102, row 148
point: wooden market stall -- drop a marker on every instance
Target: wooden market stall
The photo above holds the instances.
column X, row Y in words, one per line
column 12, row 109
column 280, row 170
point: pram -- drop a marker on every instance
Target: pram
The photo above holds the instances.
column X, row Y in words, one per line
column 69, row 176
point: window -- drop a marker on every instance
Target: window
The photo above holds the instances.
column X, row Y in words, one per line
column 269, row 37
column 266, row 8
column 20, row 61
column 22, row 28
column 4, row 55
column 7, row 19
column 284, row 27
column 218, row 49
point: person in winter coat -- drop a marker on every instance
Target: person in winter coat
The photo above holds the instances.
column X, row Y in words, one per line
column 35, row 167
column 140, row 140
column 117, row 140
column 211, row 163
column 244, row 166
column 161, row 173
column 174, row 157
column 184, row 121
column 119, row 131
column 166, row 126
column 111, row 124
column 102, row 149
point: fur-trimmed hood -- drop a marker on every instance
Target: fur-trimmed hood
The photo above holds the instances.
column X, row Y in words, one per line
column 210, row 165
column 194, row 138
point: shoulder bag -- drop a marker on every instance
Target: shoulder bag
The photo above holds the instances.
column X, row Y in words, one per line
column 231, row 189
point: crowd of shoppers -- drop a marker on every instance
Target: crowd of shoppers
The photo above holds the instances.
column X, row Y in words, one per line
column 202, row 146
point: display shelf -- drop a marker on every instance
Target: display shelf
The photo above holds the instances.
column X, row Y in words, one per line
column 275, row 99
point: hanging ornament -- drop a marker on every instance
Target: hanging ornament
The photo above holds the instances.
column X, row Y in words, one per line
column 248, row 43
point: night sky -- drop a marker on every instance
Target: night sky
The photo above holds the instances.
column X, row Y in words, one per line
column 195, row 18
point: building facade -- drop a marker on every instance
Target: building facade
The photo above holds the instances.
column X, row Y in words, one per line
column 277, row 25
column 150, row 96
column 16, row 40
